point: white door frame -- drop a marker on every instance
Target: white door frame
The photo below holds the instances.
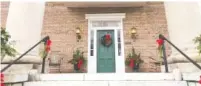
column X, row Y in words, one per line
column 92, row 60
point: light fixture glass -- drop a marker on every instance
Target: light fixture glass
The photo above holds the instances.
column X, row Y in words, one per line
column 133, row 33
column 77, row 30
column 133, row 30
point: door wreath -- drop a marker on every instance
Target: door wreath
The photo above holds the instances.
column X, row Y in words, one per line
column 106, row 40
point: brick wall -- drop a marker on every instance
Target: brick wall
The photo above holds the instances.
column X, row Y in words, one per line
column 60, row 23
column 4, row 13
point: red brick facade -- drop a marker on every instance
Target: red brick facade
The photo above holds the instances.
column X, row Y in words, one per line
column 60, row 23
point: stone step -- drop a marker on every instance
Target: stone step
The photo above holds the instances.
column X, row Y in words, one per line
column 15, row 78
column 27, row 59
column 106, row 76
column 183, row 67
column 106, row 83
column 196, row 76
column 102, row 79
column 17, row 68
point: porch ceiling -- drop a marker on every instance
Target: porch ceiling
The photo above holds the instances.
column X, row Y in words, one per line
column 99, row 4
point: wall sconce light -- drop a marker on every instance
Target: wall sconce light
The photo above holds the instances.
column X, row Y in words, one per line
column 133, row 33
column 78, row 33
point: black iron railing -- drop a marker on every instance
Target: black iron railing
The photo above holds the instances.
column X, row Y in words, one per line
column 165, row 57
column 43, row 64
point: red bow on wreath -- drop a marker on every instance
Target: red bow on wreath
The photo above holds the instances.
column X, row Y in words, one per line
column 160, row 43
column 107, row 37
column 47, row 46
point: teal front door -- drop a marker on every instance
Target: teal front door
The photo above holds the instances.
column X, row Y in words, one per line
column 105, row 54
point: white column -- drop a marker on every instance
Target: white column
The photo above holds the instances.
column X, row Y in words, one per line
column 24, row 23
column 200, row 5
column 184, row 24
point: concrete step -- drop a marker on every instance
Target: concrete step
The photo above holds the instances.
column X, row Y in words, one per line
column 191, row 76
column 17, row 68
column 15, row 78
column 30, row 59
column 105, row 79
column 106, row 76
column 106, row 83
column 102, row 79
column 183, row 67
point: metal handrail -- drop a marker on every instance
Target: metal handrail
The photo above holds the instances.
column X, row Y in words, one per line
column 164, row 54
column 13, row 62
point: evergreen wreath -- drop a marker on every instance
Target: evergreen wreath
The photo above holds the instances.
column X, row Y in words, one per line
column 106, row 40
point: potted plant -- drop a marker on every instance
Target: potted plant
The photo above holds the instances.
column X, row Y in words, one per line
column 78, row 60
column 133, row 60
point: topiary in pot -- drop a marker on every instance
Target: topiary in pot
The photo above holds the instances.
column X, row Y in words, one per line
column 78, row 60
column 133, row 60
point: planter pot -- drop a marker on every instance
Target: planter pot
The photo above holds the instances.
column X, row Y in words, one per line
column 136, row 68
column 76, row 69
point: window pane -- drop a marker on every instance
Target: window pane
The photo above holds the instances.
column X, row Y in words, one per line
column 91, row 53
column 119, row 37
column 92, row 46
column 119, row 49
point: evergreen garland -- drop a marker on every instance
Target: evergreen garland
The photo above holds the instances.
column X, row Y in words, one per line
column 197, row 40
column 6, row 48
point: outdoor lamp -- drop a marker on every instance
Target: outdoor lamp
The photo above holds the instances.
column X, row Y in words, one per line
column 78, row 31
column 133, row 32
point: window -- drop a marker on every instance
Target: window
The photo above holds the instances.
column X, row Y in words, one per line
column 92, row 43
column 119, row 42
column 105, row 23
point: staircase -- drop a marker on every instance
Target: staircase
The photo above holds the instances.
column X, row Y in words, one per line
column 105, row 79
column 33, row 77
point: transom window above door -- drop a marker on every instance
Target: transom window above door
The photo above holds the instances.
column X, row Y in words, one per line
column 105, row 23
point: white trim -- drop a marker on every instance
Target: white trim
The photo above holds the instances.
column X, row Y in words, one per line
column 116, row 51
column 122, row 66
column 105, row 16
column 199, row 3
column 106, row 28
column 92, row 60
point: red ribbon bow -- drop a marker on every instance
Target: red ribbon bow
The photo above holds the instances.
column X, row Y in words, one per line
column 2, row 79
column 131, row 63
column 160, row 42
column 79, row 64
column 48, row 44
column 107, row 36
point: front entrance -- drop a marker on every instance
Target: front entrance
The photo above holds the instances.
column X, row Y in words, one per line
column 107, row 56
column 105, row 53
